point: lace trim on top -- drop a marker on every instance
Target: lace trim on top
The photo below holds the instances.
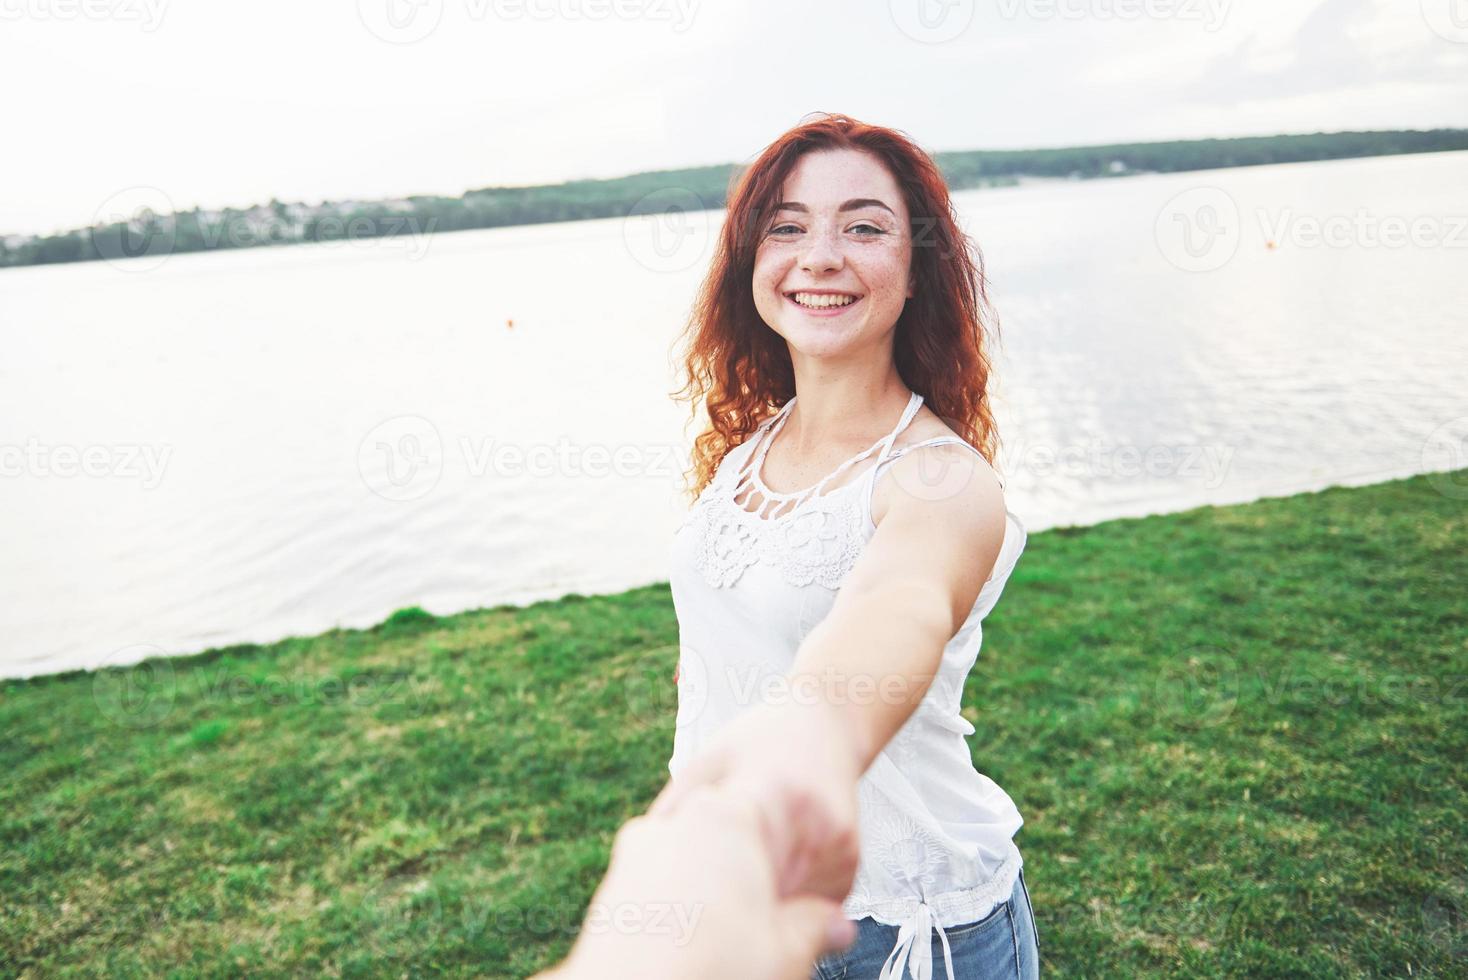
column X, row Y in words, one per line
column 816, row 540
column 747, row 478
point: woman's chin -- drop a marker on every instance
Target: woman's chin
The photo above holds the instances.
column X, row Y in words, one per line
column 814, row 341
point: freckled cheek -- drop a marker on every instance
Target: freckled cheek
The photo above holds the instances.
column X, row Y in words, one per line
column 894, row 274
column 767, row 274
column 764, row 285
column 886, row 279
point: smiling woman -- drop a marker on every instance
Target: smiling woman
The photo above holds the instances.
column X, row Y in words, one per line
column 862, row 245
column 851, row 538
column 825, row 299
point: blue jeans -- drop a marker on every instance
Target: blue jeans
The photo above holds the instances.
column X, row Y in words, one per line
column 1003, row 943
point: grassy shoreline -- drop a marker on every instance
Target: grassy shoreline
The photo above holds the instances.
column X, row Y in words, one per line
column 1235, row 733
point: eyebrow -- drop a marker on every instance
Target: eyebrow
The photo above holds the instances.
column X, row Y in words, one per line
column 855, row 204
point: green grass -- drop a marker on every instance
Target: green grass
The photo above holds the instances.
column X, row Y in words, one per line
column 1237, row 736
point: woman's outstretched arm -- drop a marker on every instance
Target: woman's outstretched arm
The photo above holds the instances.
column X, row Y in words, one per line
column 862, row 671
column 876, row 653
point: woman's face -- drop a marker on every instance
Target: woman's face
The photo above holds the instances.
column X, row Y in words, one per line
column 840, row 227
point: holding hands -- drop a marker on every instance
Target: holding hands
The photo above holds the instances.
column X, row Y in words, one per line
column 749, row 853
column 793, row 762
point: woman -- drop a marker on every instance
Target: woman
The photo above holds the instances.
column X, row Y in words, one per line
column 842, row 550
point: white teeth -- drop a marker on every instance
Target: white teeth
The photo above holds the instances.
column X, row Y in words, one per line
column 819, row 301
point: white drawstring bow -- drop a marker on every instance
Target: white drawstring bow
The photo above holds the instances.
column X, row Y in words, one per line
column 913, row 947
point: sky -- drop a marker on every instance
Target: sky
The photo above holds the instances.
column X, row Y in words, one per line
column 215, row 103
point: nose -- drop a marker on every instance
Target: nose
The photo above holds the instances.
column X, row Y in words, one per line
column 822, row 253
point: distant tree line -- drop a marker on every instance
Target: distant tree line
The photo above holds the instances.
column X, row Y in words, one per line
column 1248, row 151
column 278, row 223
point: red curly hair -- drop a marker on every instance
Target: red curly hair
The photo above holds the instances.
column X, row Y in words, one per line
column 740, row 369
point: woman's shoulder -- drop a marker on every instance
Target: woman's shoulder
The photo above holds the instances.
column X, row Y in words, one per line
column 933, row 436
column 925, row 428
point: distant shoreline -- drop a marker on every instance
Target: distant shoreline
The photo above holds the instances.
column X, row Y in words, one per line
column 139, row 224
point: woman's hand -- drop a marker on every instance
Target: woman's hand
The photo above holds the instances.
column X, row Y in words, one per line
column 692, row 894
column 794, row 761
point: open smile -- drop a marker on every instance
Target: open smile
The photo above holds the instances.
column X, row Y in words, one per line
column 823, row 302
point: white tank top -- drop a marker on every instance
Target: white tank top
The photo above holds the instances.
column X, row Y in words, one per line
column 937, row 846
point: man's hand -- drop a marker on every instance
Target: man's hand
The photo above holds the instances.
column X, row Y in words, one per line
column 692, row 893
column 792, row 760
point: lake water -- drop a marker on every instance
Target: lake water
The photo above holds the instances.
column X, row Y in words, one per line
column 244, row 446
